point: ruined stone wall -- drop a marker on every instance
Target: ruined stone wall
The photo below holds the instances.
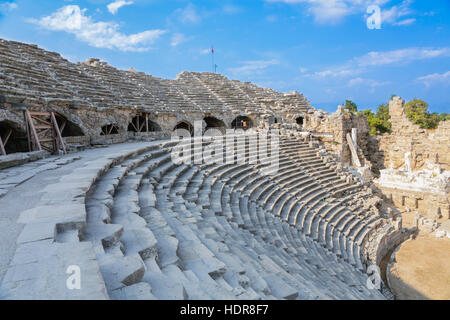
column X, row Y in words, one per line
column 428, row 204
column 389, row 150
column 408, row 158
column 332, row 130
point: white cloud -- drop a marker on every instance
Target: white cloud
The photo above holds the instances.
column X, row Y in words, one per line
column 8, row 6
column 205, row 51
column 402, row 56
column 188, row 14
column 333, row 11
column 340, row 72
column 72, row 19
column 367, row 82
column 362, row 64
column 396, row 13
column 113, row 7
column 435, row 78
column 370, row 84
column 253, row 67
column 177, row 39
column 230, row 9
column 406, row 22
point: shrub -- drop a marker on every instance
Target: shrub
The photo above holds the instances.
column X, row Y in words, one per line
column 379, row 122
column 417, row 112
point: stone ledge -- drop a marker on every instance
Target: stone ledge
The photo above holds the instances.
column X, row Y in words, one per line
column 17, row 159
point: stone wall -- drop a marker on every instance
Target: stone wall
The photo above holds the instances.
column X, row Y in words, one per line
column 417, row 162
column 424, row 145
column 436, row 206
column 332, row 130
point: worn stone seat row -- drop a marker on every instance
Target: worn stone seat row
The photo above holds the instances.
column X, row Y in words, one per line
column 179, row 203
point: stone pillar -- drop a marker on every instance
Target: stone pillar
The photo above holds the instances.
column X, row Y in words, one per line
column 355, row 137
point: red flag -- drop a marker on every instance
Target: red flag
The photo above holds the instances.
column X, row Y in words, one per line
column 212, row 50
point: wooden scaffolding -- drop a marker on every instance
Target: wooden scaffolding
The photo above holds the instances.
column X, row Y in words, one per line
column 43, row 132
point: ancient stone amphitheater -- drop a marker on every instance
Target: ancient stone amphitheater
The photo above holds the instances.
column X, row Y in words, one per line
column 112, row 204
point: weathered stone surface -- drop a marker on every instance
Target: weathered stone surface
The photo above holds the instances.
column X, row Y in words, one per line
column 38, row 272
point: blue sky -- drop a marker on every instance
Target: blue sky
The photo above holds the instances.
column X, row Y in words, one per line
column 321, row 48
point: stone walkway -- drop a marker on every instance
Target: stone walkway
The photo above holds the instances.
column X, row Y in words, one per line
column 38, row 198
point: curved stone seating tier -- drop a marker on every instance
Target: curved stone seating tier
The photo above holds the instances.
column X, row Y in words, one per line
column 153, row 229
column 37, row 78
column 226, row 91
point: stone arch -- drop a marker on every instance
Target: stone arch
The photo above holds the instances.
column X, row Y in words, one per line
column 68, row 128
column 214, row 123
column 141, row 123
column 186, row 125
column 13, row 137
column 242, row 122
column 109, row 129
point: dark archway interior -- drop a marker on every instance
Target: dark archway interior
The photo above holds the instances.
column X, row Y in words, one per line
column 15, row 138
column 68, row 128
column 300, row 121
column 186, row 126
column 138, row 124
column 109, row 129
column 242, row 122
column 215, row 123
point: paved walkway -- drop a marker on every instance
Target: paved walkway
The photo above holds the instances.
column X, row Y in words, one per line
column 24, row 246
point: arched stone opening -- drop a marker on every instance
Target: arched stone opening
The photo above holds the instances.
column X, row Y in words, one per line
column 141, row 123
column 109, row 129
column 186, row 126
column 242, row 122
column 214, row 123
column 300, row 120
column 13, row 138
column 68, row 128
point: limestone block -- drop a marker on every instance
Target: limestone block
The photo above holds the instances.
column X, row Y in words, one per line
column 37, row 232
column 71, row 216
column 280, row 288
column 107, row 234
column 141, row 241
column 119, row 272
column 39, row 271
column 138, row 291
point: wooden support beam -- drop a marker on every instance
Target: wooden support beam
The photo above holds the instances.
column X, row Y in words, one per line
column 146, row 122
column 39, row 113
column 8, row 135
column 63, row 126
column 28, row 132
column 58, row 133
column 2, row 148
column 132, row 123
column 33, row 130
column 142, row 126
column 45, row 122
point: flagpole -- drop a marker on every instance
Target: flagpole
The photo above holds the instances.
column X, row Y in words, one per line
column 212, row 57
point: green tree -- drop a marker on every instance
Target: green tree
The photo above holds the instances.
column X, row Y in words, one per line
column 379, row 122
column 350, row 106
column 417, row 112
